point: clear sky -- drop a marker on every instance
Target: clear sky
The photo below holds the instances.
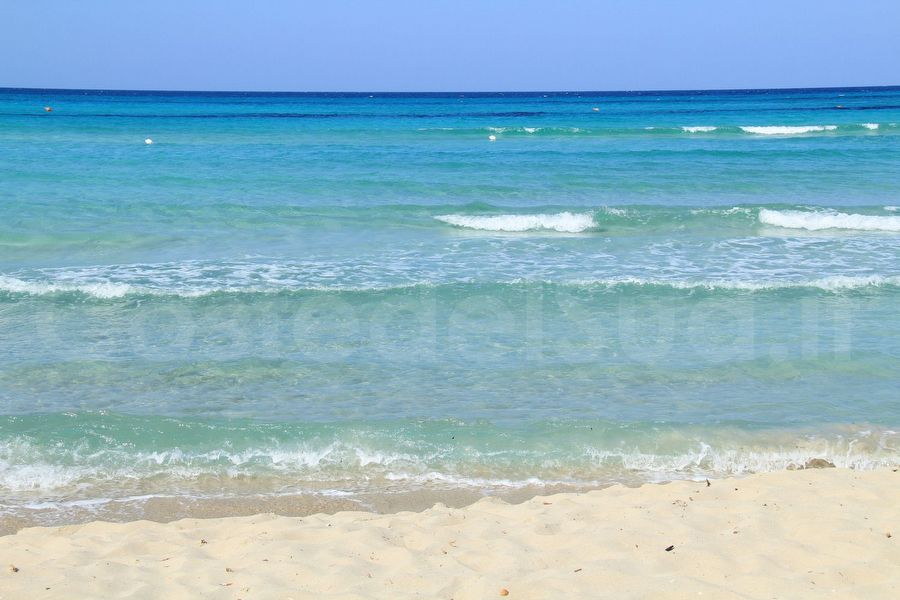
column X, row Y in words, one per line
column 442, row 45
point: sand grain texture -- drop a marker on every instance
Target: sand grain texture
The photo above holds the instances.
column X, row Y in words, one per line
column 811, row 533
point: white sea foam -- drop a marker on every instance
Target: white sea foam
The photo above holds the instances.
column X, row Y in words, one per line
column 565, row 222
column 787, row 129
column 612, row 210
column 708, row 461
column 98, row 290
column 734, row 210
column 871, row 126
column 892, row 208
column 818, row 220
column 834, row 283
column 699, row 129
column 533, row 130
column 437, row 477
column 25, row 476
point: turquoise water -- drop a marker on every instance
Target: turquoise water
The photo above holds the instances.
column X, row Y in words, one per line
column 352, row 294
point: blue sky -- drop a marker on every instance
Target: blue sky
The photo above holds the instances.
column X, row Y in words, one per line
column 438, row 45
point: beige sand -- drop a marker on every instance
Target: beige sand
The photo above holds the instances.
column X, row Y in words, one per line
column 811, row 533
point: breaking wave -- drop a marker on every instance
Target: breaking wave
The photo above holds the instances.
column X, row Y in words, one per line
column 721, row 129
column 819, row 220
column 787, row 129
column 118, row 452
column 39, row 288
column 113, row 291
column 565, row 222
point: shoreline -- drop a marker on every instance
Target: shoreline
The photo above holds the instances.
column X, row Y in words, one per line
column 166, row 508
column 162, row 507
column 784, row 534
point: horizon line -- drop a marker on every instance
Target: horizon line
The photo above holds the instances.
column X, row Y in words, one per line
column 463, row 92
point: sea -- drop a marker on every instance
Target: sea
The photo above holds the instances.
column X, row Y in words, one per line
column 221, row 303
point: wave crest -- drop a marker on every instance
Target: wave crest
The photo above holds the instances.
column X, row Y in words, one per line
column 564, row 222
column 819, row 220
column 39, row 288
column 787, row 129
column 834, row 283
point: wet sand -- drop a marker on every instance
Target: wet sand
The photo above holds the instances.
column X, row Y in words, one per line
column 165, row 509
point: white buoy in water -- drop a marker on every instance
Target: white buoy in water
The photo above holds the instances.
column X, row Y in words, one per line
column 596, row 109
column 492, row 138
column 148, row 141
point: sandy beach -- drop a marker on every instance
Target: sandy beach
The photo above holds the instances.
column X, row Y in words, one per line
column 792, row 534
